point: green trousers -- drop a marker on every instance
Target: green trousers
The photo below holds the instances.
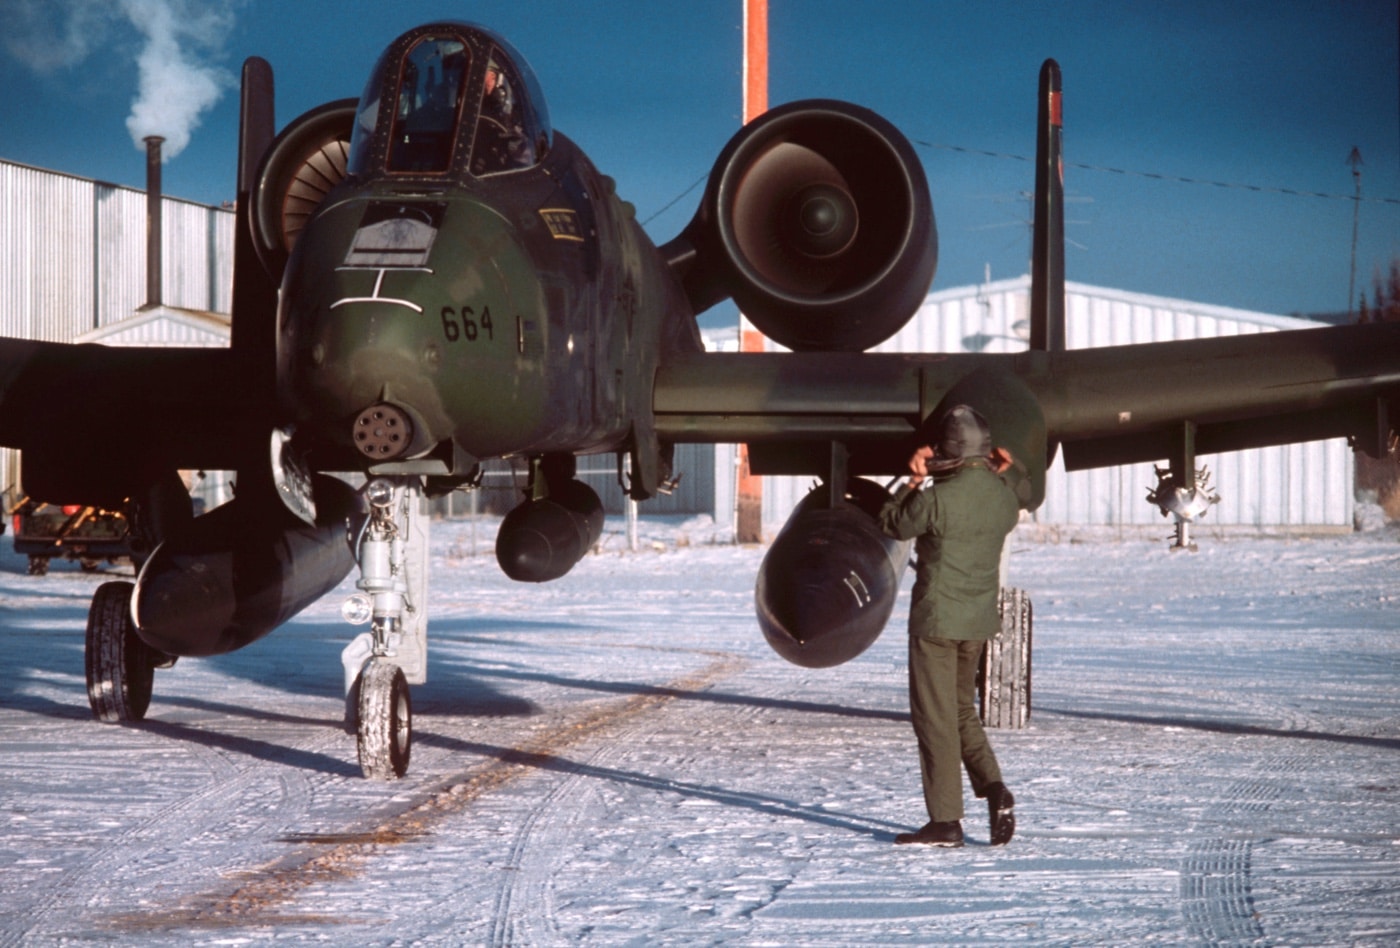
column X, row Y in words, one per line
column 942, row 706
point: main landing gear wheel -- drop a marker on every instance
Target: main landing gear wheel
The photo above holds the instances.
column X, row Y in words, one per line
column 120, row 667
column 385, row 725
column 1004, row 675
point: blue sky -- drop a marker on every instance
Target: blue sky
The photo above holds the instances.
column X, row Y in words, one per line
column 1270, row 95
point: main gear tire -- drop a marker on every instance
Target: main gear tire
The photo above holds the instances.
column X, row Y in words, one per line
column 385, row 725
column 1004, row 677
column 120, row 667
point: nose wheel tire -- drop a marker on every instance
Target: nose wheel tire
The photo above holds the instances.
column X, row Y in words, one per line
column 120, row 667
column 385, row 725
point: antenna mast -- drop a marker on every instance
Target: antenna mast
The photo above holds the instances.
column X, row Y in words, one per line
column 1354, row 159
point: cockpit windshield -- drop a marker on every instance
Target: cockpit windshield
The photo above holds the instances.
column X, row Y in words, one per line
column 428, row 105
column 463, row 101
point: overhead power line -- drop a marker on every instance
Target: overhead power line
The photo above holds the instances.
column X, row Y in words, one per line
column 1168, row 177
column 1151, row 175
column 676, row 200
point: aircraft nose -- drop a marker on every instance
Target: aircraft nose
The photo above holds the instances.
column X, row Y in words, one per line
column 381, row 362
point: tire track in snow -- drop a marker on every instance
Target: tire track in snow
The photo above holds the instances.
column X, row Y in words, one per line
column 525, row 904
column 524, row 910
column 231, row 793
column 263, row 899
column 1216, row 894
column 571, row 819
column 124, row 846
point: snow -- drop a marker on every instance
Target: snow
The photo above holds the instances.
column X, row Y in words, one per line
column 617, row 758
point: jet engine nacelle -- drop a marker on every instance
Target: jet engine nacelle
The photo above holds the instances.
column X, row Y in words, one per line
column 1017, row 421
column 542, row 539
column 238, row 572
column 306, row 160
column 827, row 586
column 817, row 221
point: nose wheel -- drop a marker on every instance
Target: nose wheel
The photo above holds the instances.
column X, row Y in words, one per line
column 391, row 550
column 384, row 732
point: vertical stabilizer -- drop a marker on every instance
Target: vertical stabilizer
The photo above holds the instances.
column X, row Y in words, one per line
column 254, row 293
column 1048, row 241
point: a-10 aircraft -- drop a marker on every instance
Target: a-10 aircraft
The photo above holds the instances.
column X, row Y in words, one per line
column 431, row 276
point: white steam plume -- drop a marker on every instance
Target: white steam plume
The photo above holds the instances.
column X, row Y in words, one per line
column 175, row 88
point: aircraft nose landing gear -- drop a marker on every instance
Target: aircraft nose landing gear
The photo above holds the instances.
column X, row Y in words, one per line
column 391, row 550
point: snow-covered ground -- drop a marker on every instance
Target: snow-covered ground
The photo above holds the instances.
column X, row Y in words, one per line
column 616, row 758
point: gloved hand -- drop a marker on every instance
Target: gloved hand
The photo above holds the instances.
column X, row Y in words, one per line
column 918, row 465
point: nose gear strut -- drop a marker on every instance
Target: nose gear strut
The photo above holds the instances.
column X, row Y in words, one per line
column 391, row 549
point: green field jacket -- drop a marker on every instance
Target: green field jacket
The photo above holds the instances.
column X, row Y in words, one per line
column 959, row 526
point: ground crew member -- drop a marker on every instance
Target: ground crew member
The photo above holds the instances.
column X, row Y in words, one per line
column 959, row 526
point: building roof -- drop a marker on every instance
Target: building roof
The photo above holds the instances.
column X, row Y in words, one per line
column 164, row 326
column 1023, row 284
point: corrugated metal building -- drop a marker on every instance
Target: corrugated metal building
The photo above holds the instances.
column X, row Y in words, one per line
column 164, row 326
column 73, row 254
column 1292, row 486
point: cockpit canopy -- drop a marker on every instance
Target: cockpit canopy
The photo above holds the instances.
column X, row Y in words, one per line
column 450, row 99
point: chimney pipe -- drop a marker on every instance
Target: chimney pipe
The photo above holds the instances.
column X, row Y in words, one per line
column 153, row 204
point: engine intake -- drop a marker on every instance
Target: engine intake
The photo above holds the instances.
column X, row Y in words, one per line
column 817, row 221
column 300, row 168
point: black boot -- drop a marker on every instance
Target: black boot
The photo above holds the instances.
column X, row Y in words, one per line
column 949, row 835
column 1001, row 813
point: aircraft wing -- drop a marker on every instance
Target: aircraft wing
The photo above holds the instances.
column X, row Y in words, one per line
column 1103, row 406
column 1124, row 404
column 99, row 424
